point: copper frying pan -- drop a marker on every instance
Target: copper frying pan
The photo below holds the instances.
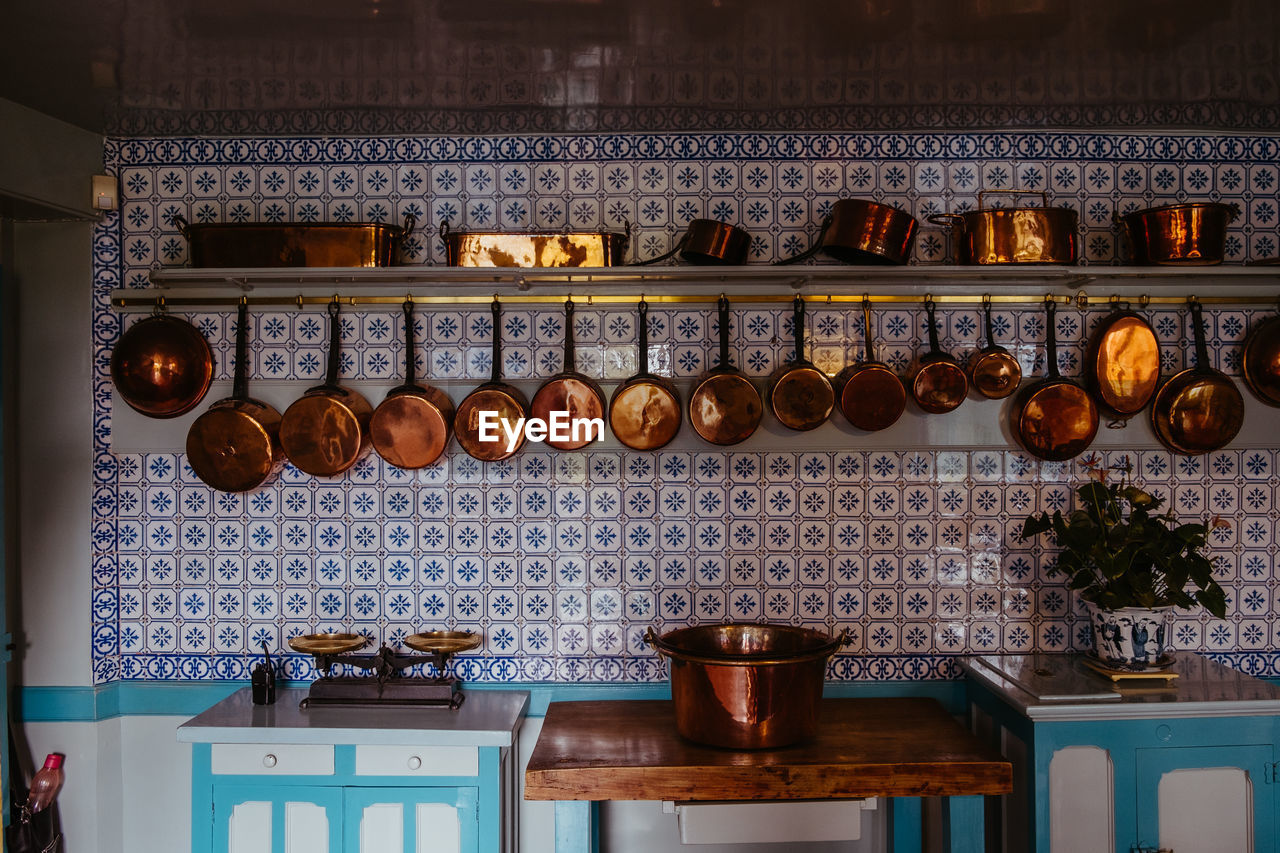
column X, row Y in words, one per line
column 507, row 402
column 1199, row 409
column 1122, row 364
column 1262, row 361
column 939, row 385
column 570, row 391
column 993, row 371
column 412, row 426
column 800, row 395
column 725, row 408
column 644, row 412
column 871, row 395
column 162, row 366
column 235, row 445
column 326, row 431
column 1053, row 419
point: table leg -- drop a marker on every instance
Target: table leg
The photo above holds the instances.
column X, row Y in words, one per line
column 905, row 831
column 962, row 830
column 577, row 827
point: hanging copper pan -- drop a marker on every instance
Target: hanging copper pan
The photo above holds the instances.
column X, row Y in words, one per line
column 326, row 431
column 412, row 426
column 939, row 384
column 494, row 401
column 871, row 395
column 576, row 395
column 800, row 395
column 1262, row 361
column 235, row 445
column 162, row 366
column 644, row 412
column 724, row 408
column 1199, row 409
column 1053, row 419
column 1122, row 364
column 993, row 371
column 708, row 242
column 858, row 231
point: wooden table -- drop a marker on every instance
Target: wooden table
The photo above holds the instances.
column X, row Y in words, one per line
column 901, row 748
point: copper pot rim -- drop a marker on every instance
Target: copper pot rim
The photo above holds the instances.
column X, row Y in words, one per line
column 821, row 645
column 1180, row 207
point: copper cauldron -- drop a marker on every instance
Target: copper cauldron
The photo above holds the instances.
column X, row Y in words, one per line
column 746, row 686
column 1193, row 234
column 1014, row 235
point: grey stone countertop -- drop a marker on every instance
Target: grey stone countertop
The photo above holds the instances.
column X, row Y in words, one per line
column 486, row 718
column 1057, row 687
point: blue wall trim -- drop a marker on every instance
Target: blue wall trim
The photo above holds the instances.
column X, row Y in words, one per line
column 90, row 704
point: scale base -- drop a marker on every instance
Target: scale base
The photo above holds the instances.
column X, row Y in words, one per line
column 353, row 691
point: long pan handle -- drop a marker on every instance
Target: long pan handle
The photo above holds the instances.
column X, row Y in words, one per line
column 866, row 329
column 643, row 309
column 335, row 341
column 495, row 373
column 409, row 367
column 723, row 305
column 1051, row 337
column 797, row 321
column 570, row 358
column 240, row 385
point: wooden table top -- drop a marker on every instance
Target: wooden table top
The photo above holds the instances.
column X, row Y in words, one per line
column 630, row 750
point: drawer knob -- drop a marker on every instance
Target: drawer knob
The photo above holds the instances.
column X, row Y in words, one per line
column 414, row 762
column 269, row 760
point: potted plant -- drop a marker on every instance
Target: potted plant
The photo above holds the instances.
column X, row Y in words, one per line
column 1131, row 565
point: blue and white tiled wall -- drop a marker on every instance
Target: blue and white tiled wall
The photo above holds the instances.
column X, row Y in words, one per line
column 562, row 560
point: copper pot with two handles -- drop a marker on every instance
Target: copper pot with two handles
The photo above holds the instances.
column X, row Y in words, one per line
column 1014, row 235
column 1191, row 234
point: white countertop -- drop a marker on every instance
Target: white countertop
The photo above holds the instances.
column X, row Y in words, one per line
column 1059, row 687
column 486, row 718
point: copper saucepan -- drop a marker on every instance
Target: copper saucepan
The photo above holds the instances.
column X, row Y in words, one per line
column 1199, row 409
column 570, row 392
column 1262, row 361
column 644, row 412
column 412, row 426
column 939, row 384
column 993, row 371
column 235, row 445
column 708, row 242
column 1014, row 235
column 326, row 431
column 1053, row 419
column 871, row 395
column 725, row 408
column 858, row 231
column 1122, row 364
column 162, row 366
column 507, row 403
column 1193, row 234
column 800, row 395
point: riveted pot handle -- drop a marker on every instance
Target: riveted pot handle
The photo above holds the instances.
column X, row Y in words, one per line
column 184, row 227
column 954, row 220
column 845, row 638
column 410, row 223
column 651, row 638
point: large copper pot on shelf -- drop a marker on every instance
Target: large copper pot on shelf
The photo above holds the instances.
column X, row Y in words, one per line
column 293, row 244
column 1014, row 235
column 1191, row 234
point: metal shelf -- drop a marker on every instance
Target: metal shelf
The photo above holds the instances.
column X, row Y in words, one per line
column 303, row 287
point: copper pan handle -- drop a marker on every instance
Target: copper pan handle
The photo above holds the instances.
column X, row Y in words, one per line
column 954, row 220
column 410, row 223
column 184, row 227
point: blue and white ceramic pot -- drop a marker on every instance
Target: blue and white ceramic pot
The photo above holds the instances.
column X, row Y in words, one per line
column 1132, row 638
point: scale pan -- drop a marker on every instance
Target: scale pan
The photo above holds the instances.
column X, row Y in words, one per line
column 327, row 644
column 448, row 642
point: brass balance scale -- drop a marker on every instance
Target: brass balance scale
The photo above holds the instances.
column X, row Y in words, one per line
column 386, row 687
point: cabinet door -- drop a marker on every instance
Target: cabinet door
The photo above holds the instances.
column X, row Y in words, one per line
column 1204, row 798
column 277, row 819
column 411, row 820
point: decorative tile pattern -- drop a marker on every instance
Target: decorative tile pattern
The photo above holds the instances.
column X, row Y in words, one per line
column 562, row 560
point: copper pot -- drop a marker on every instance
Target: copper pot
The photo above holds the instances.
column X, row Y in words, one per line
column 326, row 431
column 708, row 242
column 412, row 426
column 800, row 395
column 507, row 402
column 1122, row 364
column 162, row 366
column 644, row 412
column 871, row 395
column 746, row 686
column 993, row 371
column 725, row 408
column 939, row 384
column 235, row 445
column 1199, row 409
column 1262, row 361
column 858, row 231
column 571, row 392
column 294, row 244
column 1193, row 234
column 1014, row 235
column 523, row 249
column 1053, row 419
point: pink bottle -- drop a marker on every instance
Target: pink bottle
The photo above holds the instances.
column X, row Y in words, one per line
column 47, row 782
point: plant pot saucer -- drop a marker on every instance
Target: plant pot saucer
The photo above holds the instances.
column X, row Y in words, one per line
column 1161, row 668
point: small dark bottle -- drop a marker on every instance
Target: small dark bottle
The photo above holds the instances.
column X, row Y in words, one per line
column 263, row 681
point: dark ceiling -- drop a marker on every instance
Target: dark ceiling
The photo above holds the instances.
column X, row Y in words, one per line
column 142, row 67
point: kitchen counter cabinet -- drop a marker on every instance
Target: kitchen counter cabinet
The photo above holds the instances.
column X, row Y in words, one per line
column 1185, row 765
column 904, row 748
column 274, row 778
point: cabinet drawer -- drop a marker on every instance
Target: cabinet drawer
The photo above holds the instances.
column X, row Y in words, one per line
column 388, row 760
column 272, row 759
